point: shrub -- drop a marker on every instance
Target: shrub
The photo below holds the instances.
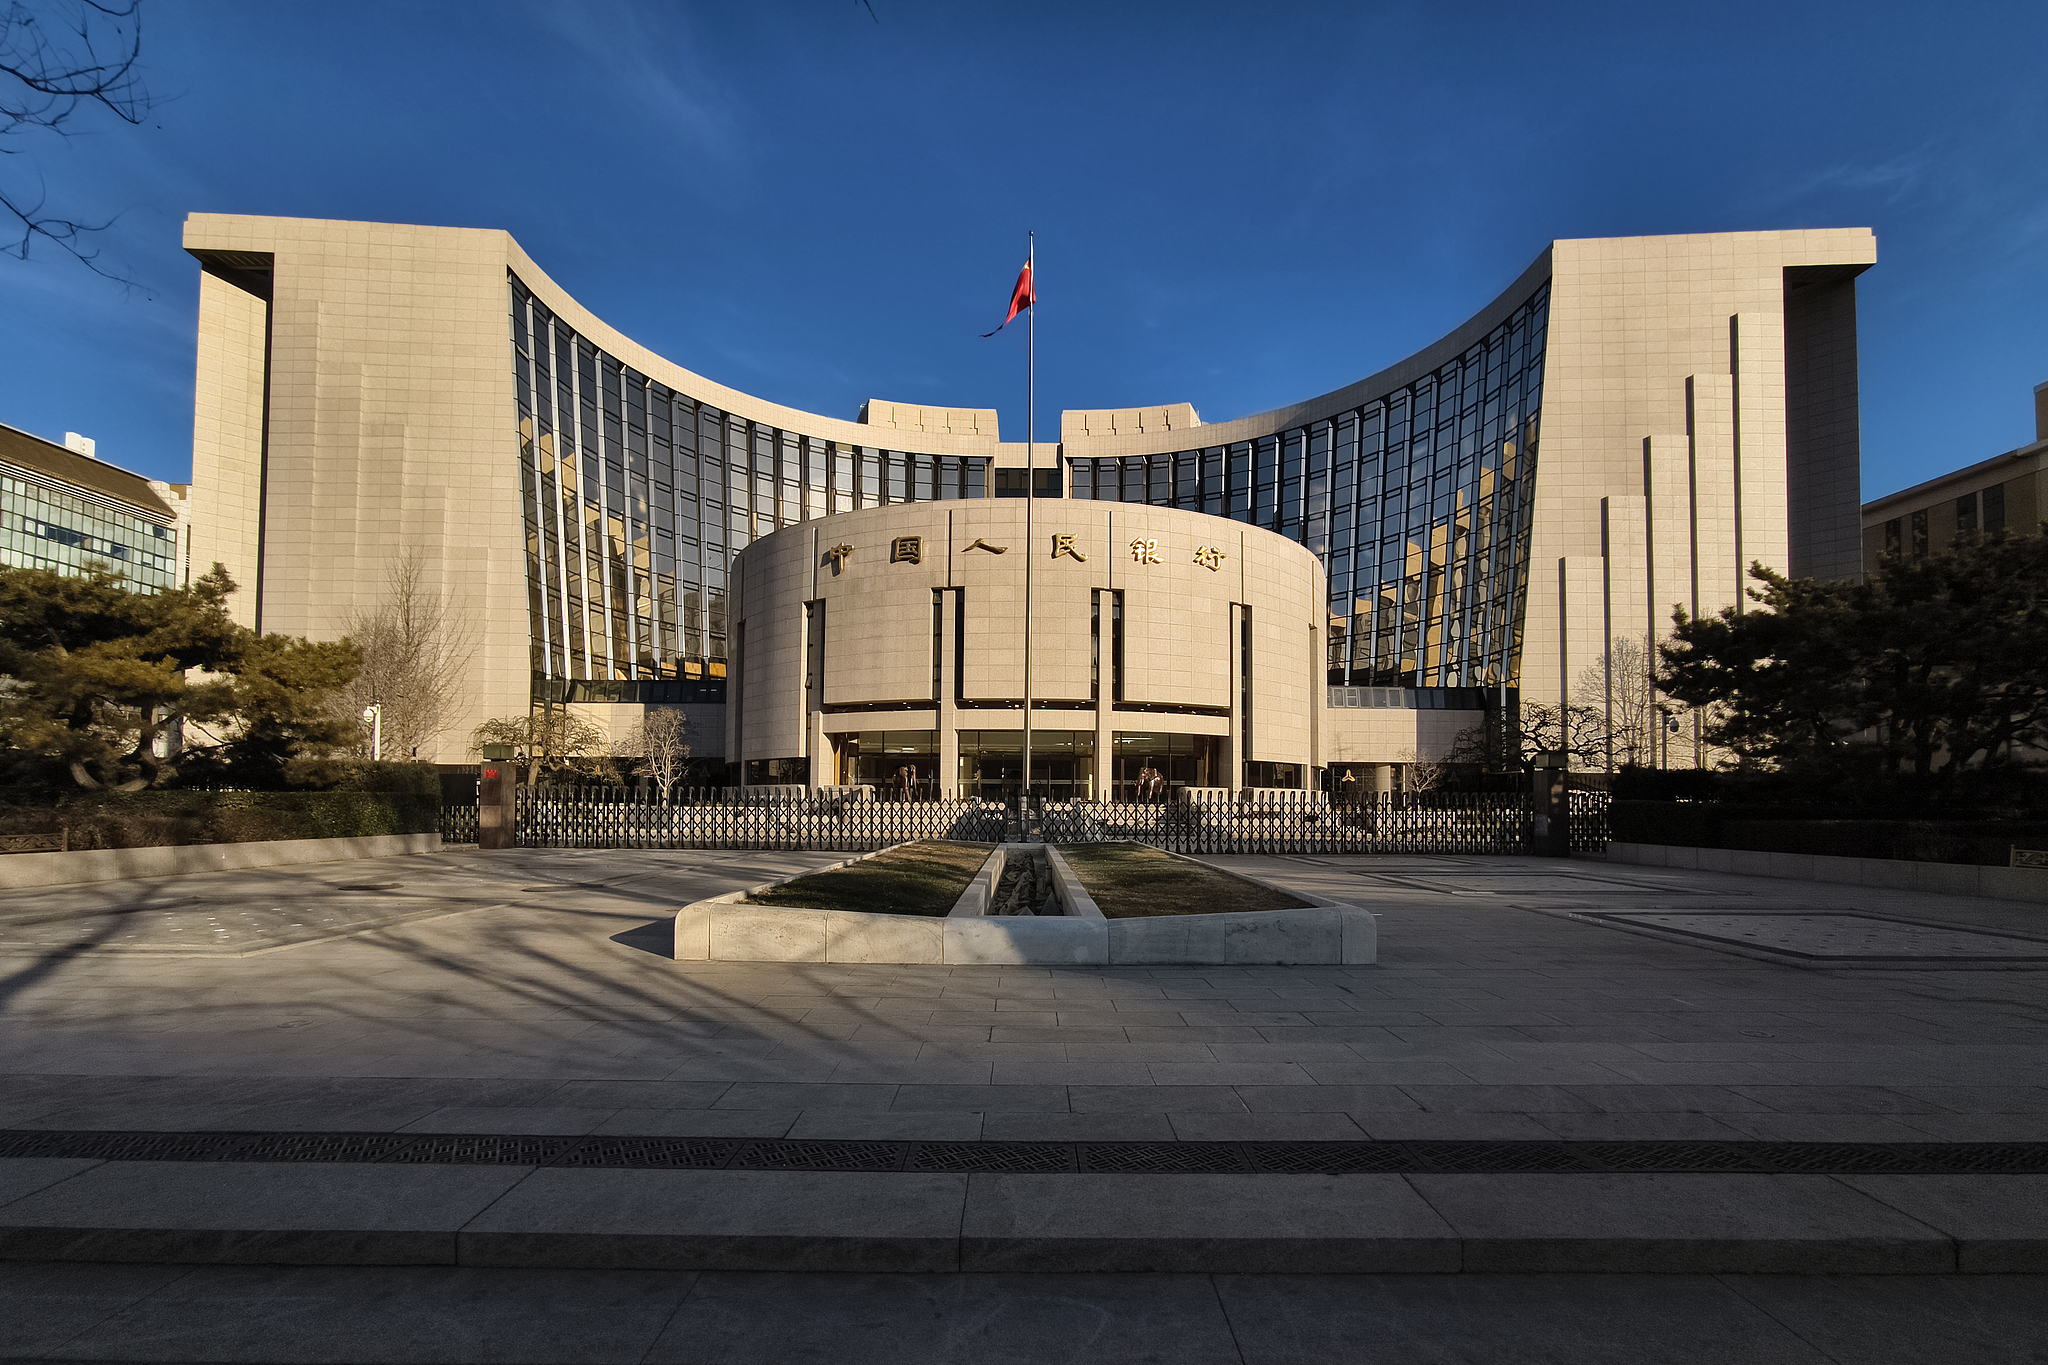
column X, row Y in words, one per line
column 149, row 819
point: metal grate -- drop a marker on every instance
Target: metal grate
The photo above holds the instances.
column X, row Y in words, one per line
column 993, row 1158
column 1494, row 1158
column 1164, row 1158
column 1330, row 1158
column 483, row 1150
column 996, row 1158
column 653, row 1152
column 790, row 1155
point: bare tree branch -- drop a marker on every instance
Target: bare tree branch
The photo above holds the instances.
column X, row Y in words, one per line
column 58, row 57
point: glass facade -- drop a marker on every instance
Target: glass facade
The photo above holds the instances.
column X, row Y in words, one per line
column 46, row 524
column 1418, row 503
column 637, row 496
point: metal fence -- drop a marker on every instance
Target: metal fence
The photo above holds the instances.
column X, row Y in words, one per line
column 578, row 817
column 458, row 824
column 1588, row 814
column 1305, row 822
column 1273, row 822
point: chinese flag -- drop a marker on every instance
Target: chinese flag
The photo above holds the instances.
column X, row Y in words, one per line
column 1020, row 298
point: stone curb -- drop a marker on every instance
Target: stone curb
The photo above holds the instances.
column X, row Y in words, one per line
column 722, row 929
column 2026, row 884
column 21, row 871
column 282, row 1214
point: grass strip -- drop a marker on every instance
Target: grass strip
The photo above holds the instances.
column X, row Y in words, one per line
column 918, row 879
column 1132, row 881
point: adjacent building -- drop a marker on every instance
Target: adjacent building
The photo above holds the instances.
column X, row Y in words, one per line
column 61, row 509
column 2007, row 492
column 1493, row 522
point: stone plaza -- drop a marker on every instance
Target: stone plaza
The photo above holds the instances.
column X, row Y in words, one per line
column 521, row 1009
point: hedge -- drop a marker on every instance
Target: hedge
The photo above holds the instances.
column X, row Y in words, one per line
column 151, row 819
column 1769, row 829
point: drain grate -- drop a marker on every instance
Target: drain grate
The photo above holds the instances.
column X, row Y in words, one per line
column 992, row 1158
column 480, row 1150
column 798, row 1155
column 653, row 1152
column 1029, row 1158
column 1164, row 1158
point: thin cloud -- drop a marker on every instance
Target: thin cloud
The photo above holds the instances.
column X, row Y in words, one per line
column 651, row 62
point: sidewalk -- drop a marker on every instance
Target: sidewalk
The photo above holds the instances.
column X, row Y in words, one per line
column 1492, row 1018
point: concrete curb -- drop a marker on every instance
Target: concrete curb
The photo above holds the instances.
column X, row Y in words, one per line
column 2027, row 884
column 19, row 871
column 721, row 929
column 287, row 1214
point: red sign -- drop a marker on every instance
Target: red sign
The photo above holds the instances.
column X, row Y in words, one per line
column 491, row 774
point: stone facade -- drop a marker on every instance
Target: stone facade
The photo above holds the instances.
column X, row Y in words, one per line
column 1621, row 431
column 910, row 620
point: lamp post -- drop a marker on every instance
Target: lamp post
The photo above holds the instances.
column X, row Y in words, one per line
column 374, row 714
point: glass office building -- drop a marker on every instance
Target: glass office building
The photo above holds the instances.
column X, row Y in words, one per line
column 63, row 511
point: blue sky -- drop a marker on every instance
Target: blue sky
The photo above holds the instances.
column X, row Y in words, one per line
column 1238, row 206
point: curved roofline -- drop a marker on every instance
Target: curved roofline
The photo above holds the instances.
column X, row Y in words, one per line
column 734, row 401
column 1395, row 376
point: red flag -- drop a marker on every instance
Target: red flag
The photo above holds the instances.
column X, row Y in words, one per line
column 1021, row 297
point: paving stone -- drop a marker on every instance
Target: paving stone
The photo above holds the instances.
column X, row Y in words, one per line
column 945, row 1126
column 1105, row 1127
column 729, row 1220
column 1586, row 1320
column 1925, row 1320
column 282, row 1213
column 44, row 1305
column 1199, row 1127
column 700, row 1122
column 430, row 1315
column 1251, row 1224
column 21, row 1177
column 1999, row 1222
column 1107, row 1099
column 950, row 1320
column 1679, row 1224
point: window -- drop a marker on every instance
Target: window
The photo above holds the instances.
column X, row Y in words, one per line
column 1920, row 534
column 1966, row 513
column 1994, row 507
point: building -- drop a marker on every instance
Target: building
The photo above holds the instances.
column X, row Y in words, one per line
column 1621, row 431
column 2007, row 492
column 61, row 509
column 881, row 647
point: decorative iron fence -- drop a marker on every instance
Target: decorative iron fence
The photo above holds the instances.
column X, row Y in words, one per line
column 1588, row 813
column 458, row 824
column 1274, row 822
column 582, row 817
column 1305, row 822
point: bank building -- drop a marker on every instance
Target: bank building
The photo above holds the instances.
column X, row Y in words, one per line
column 1326, row 593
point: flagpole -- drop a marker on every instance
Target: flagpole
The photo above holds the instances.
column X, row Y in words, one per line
column 1030, row 497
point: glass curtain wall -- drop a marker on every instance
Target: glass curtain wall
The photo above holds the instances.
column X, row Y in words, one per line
column 47, row 526
column 1417, row 502
column 636, row 498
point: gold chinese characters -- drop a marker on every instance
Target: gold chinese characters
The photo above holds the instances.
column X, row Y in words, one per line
column 1145, row 550
column 839, row 554
column 906, row 550
column 1064, row 545
column 1209, row 557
